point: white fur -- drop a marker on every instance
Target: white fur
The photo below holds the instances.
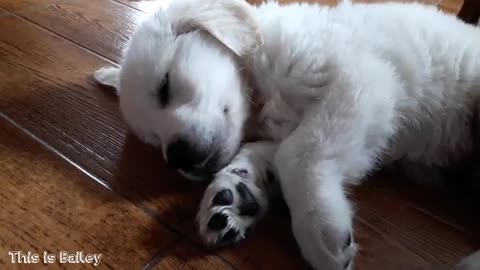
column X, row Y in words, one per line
column 340, row 91
column 471, row 262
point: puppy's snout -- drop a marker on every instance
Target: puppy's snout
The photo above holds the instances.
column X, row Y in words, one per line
column 183, row 155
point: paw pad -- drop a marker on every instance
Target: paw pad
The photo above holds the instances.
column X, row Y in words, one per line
column 249, row 205
column 217, row 222
column 224, row 197
column 270, row 177
column 231, row 207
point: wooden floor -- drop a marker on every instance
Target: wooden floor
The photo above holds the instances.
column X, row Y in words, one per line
column 72, row 179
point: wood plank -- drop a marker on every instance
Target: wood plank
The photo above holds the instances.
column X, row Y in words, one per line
column 185, row 256
column 146, row 6
column 46, row 86
column 440, row 203
column 391, row 234
column 379, row 251
column 321, row 2
column 41, row 95
column 428, row 2
column 451, row 6
column 441, row 246
column 49, row 205
column 269, row 246
column 18, row 5
column 101, row 26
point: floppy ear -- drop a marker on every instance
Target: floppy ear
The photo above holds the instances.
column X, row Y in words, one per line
column 232, row 22
column 108, row 76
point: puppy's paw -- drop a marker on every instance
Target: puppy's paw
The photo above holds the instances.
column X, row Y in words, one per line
column 348, row 253
column 471, row 262
column 230, row 207
column 107, row 76
column 325, row 246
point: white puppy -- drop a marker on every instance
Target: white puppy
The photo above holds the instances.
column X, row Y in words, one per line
column 336, row 92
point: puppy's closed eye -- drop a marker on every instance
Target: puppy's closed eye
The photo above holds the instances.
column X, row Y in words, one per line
column 163, row 92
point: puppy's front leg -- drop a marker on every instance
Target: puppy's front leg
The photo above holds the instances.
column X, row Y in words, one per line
column 471, row 262
column 321, row 215
column 239, row 195
column 326, row 151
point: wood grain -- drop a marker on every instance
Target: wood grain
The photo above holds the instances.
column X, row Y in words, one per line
column 101, row 26
column 270, row 245
column 147, row 6
column 49, row 205
column 392, row 232
column 440, row 245
column 45, row 85
column 18, row 5
column 378, row 250
column 451, row 6
column 185, row 256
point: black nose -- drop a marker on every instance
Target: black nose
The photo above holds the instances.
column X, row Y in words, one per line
column 183, row 155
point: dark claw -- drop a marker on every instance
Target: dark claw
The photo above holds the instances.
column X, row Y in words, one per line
column 248, row 231
column 217, row 222
column 348, row 242
column 229, row 236
column 347, row 264
column 224, row 197
column 248, row 204
column 270, row 177
column 240, row 172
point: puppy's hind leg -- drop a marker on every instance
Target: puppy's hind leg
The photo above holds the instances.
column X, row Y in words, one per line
column 239, row 195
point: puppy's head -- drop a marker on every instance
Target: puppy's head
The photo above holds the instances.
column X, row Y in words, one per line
column 179, row 84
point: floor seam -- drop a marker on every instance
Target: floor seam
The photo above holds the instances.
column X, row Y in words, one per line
column 39, row 6
column 396, row 228
column 158, row 257
column 142, row 207
column 23, row 17
column 123, row 4
column 4, row 12
column 129, row 197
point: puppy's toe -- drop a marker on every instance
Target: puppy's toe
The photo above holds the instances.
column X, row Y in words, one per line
column 223, row 197
column 248, row 205
column 217, row 222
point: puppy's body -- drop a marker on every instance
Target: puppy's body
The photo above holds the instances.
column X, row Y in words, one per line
column 357, row 87
column 338, row 92
column 417, row 73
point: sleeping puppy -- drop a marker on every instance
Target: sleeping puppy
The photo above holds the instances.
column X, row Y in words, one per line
column 323, row 96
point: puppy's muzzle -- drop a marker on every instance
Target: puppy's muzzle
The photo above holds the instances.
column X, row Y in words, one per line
column 191, row 159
